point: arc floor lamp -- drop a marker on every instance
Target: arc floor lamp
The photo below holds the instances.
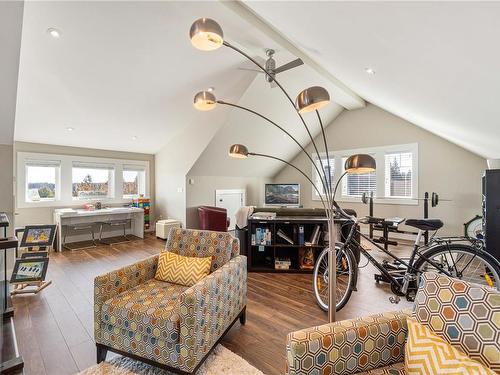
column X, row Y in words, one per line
column 207, row 35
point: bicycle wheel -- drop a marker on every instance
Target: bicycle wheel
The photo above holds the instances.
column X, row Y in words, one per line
column 346, row 269
column 462, row 262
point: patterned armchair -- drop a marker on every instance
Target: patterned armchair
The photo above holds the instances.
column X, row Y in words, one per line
column 168, row 325
column 466, row 315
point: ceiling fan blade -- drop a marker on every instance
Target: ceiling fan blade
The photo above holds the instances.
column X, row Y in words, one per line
column 292, row 64
column 251, row 70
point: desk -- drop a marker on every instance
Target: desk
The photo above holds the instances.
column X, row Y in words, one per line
column 64, row 217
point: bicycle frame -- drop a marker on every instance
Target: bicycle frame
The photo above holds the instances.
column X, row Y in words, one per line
column 410, row 270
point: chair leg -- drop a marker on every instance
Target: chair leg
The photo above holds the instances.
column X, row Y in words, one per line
column 101, row 353
column 243, row 316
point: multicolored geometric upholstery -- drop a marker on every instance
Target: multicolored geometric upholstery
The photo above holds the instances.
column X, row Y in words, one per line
column 221, row 246
column 426, row 353
column 170, row 324
column 150, row 308
column 466, row 315
column 348, row 346
column 395, row 369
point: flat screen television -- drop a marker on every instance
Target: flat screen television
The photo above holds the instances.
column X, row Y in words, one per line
column 282, row 195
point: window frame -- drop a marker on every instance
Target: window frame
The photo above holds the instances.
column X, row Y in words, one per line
column 64, row 197
column 379, row 153
column 57, row 189
column 95, row 166
column 139, row 169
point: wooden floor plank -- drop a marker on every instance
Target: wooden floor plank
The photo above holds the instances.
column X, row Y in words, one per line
column 55, row 327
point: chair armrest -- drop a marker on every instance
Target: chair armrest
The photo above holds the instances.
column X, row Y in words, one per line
column 348, row 346
column 115, row 282
column 209, row 307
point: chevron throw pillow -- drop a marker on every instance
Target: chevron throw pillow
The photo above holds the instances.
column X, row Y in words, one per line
column 178, row 269
column 428, row 354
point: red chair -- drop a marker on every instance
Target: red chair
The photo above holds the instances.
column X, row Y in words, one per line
column 213, row 218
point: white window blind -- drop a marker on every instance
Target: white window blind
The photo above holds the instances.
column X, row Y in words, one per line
column 330, row 173
column 354, row 185
column 398, row 174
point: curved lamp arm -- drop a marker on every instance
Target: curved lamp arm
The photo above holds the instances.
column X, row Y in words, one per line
column 329, row 181
column 227, row 44
column 303, row 174
column 324, row 183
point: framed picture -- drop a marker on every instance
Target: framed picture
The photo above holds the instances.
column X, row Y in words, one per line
column 29, row 270
column 38, row 235
column 35, row 254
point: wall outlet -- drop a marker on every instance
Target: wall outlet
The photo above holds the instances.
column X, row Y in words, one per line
column 180, row 189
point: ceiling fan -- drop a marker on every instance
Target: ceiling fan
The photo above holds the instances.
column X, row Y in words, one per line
column 270, row 66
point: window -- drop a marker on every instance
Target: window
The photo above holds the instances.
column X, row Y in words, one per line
column 398, row 175
column 42, row 180
column 134, row 181
column 395, row 181
column 50, row 180
column 354, row 185
column 91, row 181
column 329, row 173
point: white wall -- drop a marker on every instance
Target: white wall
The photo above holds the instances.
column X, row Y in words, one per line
column 445, row 168
column 6, row 184
column 202, row 192
column 43, row 215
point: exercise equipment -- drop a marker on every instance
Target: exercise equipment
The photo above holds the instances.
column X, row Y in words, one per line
column 474, row 228
column 387, row 225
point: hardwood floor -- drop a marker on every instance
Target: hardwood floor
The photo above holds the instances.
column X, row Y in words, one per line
column 55, row 327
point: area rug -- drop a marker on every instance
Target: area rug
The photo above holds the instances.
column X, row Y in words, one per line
column 221, row 361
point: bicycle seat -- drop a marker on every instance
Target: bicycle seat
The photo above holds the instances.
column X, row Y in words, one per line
column 425, row 224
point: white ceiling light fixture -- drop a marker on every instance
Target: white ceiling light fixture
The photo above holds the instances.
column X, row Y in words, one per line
column 70, row 129
column 53, row 32
column 211, row 89
column 370, row 71
column 134, row 138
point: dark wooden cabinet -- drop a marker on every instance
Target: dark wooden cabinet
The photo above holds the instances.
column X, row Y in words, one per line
column 491, row 211
column 262, row 257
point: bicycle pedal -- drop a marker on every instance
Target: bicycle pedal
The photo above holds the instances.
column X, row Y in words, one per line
column 394, row 300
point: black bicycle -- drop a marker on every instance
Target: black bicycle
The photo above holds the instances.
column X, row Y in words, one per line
column 458, row 257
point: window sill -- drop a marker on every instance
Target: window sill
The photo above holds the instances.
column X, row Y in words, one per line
column 74, row 203
column 393, row 201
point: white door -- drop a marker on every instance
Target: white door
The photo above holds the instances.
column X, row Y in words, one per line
column 231, row 200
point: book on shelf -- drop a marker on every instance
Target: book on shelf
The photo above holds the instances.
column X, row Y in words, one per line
column 301, row 235
column 283, row 235
column 262, row 236
column 314, row 239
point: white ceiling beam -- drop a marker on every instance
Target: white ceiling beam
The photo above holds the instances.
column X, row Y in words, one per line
column 340, row 94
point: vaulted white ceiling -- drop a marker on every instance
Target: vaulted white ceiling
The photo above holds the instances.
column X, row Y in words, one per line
column 122, row 76
column 436, row 63
column 119, row 70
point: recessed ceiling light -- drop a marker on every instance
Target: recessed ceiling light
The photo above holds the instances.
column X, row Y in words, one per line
column 134, row 138
column 70, row 129
column 210, row 89
column 370, row 71
column 54, row 33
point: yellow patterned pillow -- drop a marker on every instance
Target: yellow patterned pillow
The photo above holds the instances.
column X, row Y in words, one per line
column 182, row 270
column 428, row 354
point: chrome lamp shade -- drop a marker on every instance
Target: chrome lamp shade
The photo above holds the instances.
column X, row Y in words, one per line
column 311, row 99
column 238, row 151
column 204, row 101
column 206, row 34
column 360, row 163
